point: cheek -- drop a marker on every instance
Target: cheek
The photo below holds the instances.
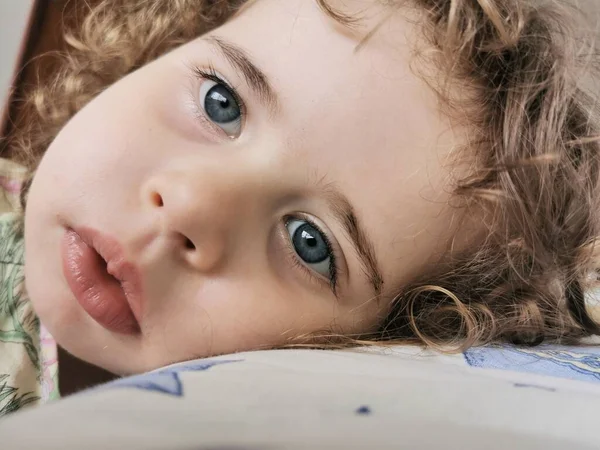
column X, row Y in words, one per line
column 235, row 315
column 238, row 314
column 92, row 141
column 109, row 135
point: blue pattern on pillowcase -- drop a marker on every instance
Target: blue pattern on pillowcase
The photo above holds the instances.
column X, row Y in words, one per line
column 576, row 363
column 166, row 381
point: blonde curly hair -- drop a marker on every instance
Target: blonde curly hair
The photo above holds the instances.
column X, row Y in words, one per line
column 534, row 148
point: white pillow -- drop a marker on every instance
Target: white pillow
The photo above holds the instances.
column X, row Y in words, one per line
column 376, row 399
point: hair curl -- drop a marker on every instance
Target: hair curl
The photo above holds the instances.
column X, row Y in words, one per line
column 533, row 142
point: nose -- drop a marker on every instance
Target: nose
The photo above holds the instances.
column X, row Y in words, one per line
column 197, row 212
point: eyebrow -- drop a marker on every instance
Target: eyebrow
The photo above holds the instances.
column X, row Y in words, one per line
column 255, row 78
column 344, row 213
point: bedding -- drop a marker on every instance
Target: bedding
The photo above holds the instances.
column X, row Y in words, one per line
column 401, row 397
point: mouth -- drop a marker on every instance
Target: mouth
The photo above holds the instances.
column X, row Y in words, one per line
column 104, row 283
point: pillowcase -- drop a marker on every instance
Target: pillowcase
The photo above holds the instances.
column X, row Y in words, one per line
column 376, row 398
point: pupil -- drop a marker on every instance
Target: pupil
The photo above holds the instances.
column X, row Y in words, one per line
column 310, row 240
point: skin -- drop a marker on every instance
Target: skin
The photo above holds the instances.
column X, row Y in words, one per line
column 143, row 163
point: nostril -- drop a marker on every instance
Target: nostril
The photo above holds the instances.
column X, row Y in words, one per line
column 157, row 200
column 189, row 244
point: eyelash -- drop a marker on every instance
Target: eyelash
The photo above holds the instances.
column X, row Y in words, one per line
column 332, row 283
column 210, row 74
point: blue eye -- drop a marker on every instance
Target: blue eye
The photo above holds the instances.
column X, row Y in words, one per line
column 311, row 246
column 222, row 107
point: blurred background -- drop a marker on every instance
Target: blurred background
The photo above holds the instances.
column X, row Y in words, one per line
column 14, row 21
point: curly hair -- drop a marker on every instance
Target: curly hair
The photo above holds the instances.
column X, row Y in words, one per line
column 512, row 71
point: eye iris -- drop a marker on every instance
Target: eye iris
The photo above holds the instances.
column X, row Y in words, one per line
column 310, row 245
column 221, row 106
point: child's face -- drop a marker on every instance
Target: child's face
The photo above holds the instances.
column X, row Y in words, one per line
column 217, row 216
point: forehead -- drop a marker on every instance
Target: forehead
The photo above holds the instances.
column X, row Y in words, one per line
column 359, row 116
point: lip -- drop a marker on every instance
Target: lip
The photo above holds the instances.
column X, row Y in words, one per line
column 105, row 284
